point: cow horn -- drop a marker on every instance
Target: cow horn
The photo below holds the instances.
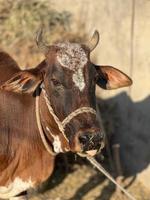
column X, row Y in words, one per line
column 94, row 41
column 40, row 43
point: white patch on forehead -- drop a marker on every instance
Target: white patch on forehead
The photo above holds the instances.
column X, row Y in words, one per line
column 78, row 79
column 16, row 187
column 73, row 57
column 56, row 142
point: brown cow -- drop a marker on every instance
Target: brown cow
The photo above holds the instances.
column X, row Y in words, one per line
column 48, row 110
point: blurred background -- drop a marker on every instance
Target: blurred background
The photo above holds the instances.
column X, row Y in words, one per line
column 124, row 28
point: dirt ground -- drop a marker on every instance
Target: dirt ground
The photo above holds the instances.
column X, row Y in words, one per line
column 78, row 180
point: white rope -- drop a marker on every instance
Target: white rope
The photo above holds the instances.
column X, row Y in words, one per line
column 47, row 147
column 77, row 112
column 100, row 168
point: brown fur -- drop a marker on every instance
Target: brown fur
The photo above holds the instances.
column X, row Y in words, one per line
column 20, row 155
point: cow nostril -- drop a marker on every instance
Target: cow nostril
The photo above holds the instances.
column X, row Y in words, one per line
column 90, row 140
column 83, row 139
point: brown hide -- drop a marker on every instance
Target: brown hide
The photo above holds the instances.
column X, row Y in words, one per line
column 22, row 153
column 7, row 67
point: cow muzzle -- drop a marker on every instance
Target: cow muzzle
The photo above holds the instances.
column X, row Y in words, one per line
column 91, row 143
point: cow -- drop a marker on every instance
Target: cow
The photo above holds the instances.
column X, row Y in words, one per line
column 49, row 109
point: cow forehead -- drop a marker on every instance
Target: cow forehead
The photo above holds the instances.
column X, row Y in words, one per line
column 73, row 57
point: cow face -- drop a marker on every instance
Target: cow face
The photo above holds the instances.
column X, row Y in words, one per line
column 70, row 85
column 69, row 78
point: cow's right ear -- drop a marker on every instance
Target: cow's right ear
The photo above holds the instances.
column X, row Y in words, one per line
column 23, row 82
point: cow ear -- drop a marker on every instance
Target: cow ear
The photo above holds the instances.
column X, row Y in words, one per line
column 111, row 78
column 23, row 82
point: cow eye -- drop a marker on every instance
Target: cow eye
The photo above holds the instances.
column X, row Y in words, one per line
column 55, row 82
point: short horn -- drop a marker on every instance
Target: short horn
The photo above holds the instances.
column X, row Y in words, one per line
column 94, row 41
column 40, row 43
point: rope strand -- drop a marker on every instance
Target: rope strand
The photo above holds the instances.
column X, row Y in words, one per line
column 100, row 168
column 77, row 112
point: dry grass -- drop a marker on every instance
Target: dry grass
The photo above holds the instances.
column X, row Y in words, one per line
column 19, row 19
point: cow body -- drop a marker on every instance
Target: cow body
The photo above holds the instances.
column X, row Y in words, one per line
column 48, row 110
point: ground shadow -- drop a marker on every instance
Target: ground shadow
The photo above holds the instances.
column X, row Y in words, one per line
column 92, row 183
column 130, row 124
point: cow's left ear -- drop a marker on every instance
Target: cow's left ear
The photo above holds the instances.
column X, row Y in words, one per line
column 111, row 78
column 23, row 82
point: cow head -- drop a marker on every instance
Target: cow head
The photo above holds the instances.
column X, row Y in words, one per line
column 68, row 78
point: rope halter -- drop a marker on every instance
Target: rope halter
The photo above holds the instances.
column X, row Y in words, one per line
column 61, row 124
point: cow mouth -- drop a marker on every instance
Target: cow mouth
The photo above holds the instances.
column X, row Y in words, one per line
column 91, row 152
column 88, row 153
